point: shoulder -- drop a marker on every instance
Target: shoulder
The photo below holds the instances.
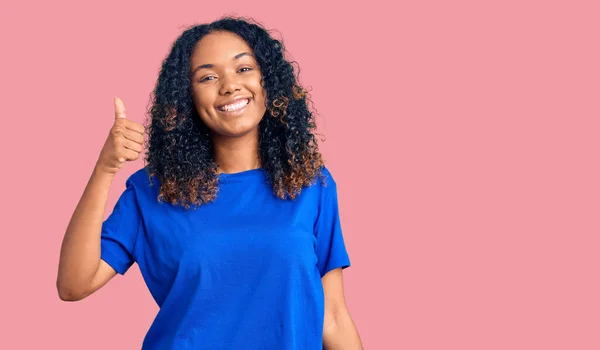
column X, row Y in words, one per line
column 324, row 183
column 327, row 177
column 142, row 184
column 138, row 178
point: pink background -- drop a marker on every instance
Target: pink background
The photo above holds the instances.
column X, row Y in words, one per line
column 463, row 136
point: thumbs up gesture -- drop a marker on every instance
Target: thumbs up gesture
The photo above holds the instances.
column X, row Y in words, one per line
column 124, row 142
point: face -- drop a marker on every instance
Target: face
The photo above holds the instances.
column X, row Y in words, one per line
column 226, row 85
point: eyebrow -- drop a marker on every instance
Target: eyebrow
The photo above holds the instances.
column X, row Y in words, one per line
column 210, row 65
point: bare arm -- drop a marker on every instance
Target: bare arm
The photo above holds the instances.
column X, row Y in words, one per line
column 339, row 331
column 81, row 271
column 80, row 250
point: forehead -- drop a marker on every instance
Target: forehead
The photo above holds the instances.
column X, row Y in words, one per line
column 217, row 48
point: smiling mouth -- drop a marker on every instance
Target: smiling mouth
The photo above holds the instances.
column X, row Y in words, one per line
column 236, row 106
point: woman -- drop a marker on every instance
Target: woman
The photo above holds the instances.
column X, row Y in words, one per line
column 257, row 262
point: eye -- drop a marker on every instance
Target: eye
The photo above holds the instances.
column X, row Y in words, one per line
column 248, row 69
column 205, row 78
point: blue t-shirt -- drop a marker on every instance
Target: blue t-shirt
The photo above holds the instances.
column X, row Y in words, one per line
column 242, row 272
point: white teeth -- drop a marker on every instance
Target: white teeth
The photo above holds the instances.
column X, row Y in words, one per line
column 235, row 106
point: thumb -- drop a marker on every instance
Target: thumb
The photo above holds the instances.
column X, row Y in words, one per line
column 119, row 108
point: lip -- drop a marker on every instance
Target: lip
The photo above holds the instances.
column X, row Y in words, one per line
column 233, row 100
column 237, row 112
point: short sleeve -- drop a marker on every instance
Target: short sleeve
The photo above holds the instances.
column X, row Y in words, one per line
column 120, row 230
column 330, row 248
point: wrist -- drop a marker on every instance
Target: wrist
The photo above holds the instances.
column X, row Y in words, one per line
column 101, row 172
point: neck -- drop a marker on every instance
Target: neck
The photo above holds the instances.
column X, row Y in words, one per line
column 233, row 155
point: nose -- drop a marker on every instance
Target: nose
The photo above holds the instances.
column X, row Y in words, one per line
column 229, row 84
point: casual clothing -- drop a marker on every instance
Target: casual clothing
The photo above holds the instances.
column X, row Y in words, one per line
column 242, row 272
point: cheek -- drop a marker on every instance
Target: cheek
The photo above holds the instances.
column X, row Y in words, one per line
column 260, row 94
column 203, row 101
column 253, row 83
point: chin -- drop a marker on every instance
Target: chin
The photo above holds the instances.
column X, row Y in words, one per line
column 238, row 130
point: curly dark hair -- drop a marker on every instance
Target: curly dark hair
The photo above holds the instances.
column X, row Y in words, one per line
column 179, row 147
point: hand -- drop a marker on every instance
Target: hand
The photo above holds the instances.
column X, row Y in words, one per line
column 124, row 143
